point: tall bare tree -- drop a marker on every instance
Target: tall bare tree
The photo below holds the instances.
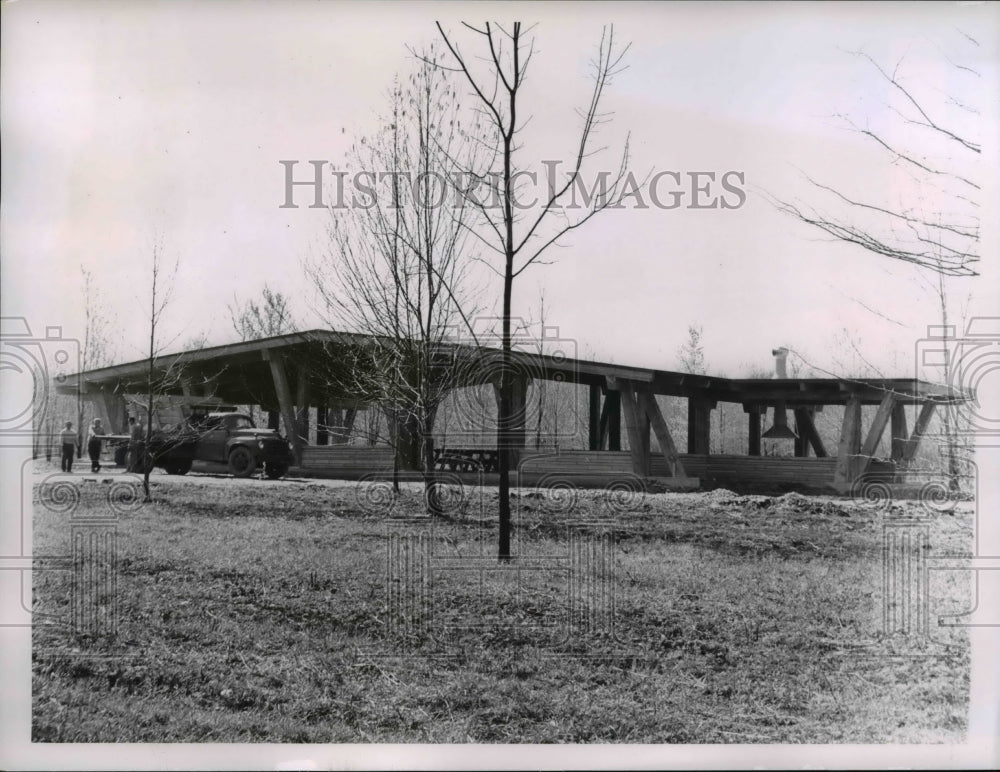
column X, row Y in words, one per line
column 161, row 372
column 518, row 234
column 396, row 269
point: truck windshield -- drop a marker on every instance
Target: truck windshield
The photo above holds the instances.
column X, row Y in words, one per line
column 239, row 422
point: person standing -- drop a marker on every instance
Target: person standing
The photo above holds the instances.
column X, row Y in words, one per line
column 67, row 438
column 94, row 444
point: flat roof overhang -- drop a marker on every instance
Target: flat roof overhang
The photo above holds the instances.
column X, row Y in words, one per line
column 240, row 373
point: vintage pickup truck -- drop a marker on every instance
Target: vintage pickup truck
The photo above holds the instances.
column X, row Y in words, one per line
column 221, row 437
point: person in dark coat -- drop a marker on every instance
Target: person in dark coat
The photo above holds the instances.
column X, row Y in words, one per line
column 67, row 438
column 94, row 444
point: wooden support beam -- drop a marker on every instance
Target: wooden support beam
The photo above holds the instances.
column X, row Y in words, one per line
column 302, row 406
column 595, row 422
column 284, row 392
column 699, row 425
column 850, row 441
column 898, row 434
column 753, row 429
column 322, row 426
column 808, row 435
column 919, row 429
column 898, row 431
column 875, row 432
column 633, row 425
column 801, row 445
column 611, row 421
column 646, row 402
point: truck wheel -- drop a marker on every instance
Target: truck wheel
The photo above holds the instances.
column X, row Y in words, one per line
column 179, row 467
column 274, row 471
column 241, row 462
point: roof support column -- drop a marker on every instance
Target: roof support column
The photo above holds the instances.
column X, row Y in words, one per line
column 753, row 429
column 323, row 416
column 875, row 432
column 919, row 429
column 284, row 392
column 699, row 425
column 647, row 404
column 850, row 441
column 302, row 406
column 594, row 424
column 898, row 434
column 611, row 421
column 638, row 439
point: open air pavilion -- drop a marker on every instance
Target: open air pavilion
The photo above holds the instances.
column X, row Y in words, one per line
column 288, row 375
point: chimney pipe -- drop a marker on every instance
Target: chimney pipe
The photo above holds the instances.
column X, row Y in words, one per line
column 780, row 430
column 780, row 357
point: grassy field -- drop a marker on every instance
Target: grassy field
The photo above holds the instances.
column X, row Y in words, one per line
column 258, row 611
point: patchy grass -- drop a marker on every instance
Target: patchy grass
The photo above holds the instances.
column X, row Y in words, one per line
column 252, row 611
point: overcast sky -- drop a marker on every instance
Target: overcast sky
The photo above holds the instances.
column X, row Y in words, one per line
column 123, row 119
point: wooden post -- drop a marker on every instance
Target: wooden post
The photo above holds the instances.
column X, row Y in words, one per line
column 801, row 443
column 611, row 421
column 753, row 429
column 806, row 428
column 898, row 437
column 633, row 425
column 699, row 425
column 875, row 432
column 284, row 392
column 322, row 428
column 302, row 406
column 919, row 429
column 594, row 425
column 614, row 399
column 850, row 441
column 647, row 404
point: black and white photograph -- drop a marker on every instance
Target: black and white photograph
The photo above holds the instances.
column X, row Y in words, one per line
column 499, row 385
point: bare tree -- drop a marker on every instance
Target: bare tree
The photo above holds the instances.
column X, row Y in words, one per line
column 516, row 234
column 935, row 224
column 161, row 373
column 397, row 265
column 262, row 319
